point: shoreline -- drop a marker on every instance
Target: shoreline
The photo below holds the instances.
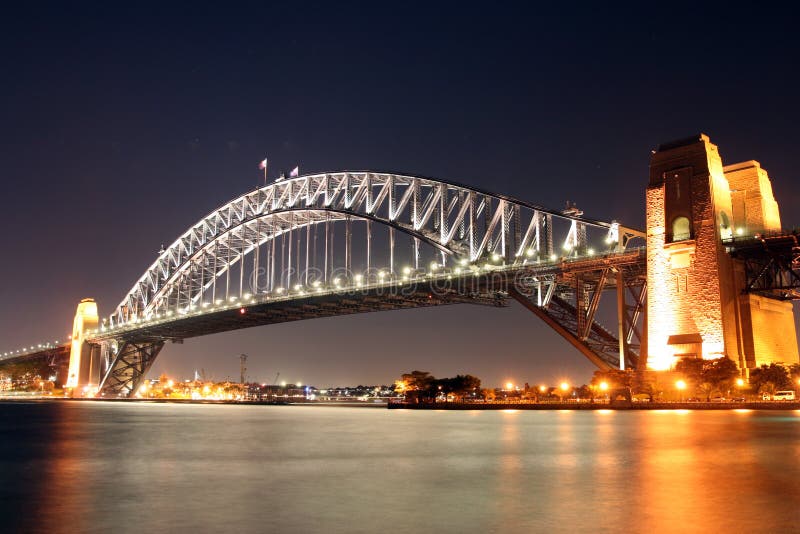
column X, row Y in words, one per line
column 447, row 406
column 619, row 406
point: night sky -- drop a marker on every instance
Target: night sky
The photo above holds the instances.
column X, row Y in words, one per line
column 121, row 127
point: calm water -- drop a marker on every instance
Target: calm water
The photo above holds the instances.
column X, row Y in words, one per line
column 113, row 467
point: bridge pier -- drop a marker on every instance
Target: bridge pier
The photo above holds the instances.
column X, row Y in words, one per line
column 698, row 302
column 83, row 375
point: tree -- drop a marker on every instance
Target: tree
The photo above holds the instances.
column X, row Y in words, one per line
column 720, row 373
column 708, row 376
column 770, row 378
column 691, row 369
column 459, row 385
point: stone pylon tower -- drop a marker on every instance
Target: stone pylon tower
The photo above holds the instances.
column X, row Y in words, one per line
column 696, row 307
column 84, row 358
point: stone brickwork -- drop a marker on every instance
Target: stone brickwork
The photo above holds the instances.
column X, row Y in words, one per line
column 695, row 304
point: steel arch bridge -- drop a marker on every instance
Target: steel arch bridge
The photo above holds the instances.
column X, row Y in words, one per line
column 354, row 241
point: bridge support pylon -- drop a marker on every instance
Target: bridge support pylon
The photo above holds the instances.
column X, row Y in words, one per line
column 84, row 360
column 697, row 303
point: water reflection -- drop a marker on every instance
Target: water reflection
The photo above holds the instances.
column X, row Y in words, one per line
column 107, row 467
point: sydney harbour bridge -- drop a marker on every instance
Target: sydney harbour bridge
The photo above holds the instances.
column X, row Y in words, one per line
column 347, row 242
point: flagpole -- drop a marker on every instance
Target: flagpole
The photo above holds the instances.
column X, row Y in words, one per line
column 265, row 171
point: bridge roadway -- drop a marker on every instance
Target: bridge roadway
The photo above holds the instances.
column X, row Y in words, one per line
column 549, row 289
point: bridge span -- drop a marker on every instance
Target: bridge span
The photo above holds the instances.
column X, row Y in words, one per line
column 359, row 241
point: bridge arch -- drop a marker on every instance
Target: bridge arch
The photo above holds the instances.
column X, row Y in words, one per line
column 463, row 224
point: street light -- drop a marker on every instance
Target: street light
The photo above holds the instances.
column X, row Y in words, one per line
column 681, row 385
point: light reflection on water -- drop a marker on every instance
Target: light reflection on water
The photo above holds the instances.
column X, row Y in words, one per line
column 103, row 467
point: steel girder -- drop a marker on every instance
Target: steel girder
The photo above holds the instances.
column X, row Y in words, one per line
column 464, row 223
column 571, row 299
column 129, row 367
column 771, row 264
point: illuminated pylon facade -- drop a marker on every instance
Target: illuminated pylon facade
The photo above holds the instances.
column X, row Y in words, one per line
column 84, row 359
column 697, row 307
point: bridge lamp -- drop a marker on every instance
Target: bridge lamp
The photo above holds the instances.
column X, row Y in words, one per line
column 509, row 386
column 406, row 270
column 381, row 275
column 495, row 257
column 434, row 266
column 232, row 299
column 358, row 278
column 530, row 252
column 591, row 252
column 317, row 283
column 680, row 384
column 603, row 386
column 279, row 290
column 298, row 287
column 740, row 231
column 552, row 257
column 739, row 382
column 564, row 386
column 337, row 282
column 458, row 270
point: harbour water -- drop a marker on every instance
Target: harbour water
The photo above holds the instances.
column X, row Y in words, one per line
column 141, row 467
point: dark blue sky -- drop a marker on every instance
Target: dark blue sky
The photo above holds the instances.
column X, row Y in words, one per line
column 123, row 126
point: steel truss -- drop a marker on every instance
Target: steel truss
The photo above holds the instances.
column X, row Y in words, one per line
column 128, row 367
column 462, row 223
column 771, row 264
column 570, row 300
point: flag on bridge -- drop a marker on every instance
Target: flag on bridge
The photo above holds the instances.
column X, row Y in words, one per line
column 295, row 172
column 263, row 165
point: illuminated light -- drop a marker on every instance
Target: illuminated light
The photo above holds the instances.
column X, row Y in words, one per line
column 359, row 277
column 283, row 383
column 740, row 382
column 591, row 252
column 298, row 287
column 381, row 275
column 605, row 411
column 742, row 410
column 463, row 262
column 603, row 386
column 299, row 384
column 206, row 304
column 242, row 311
column 567, row 246
column 495, row 257
column 553, row 257
column 247, row 295
column 406, row 270
column 279, row 290
column 434, row 266
column 218, row 302
column 680, row 384
column 509, row 385
column 564, row 386
column 337, row 282
column 170, row 383
column 740, row 231
column 530, row 252
column 317, row 283
column 232, row 299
